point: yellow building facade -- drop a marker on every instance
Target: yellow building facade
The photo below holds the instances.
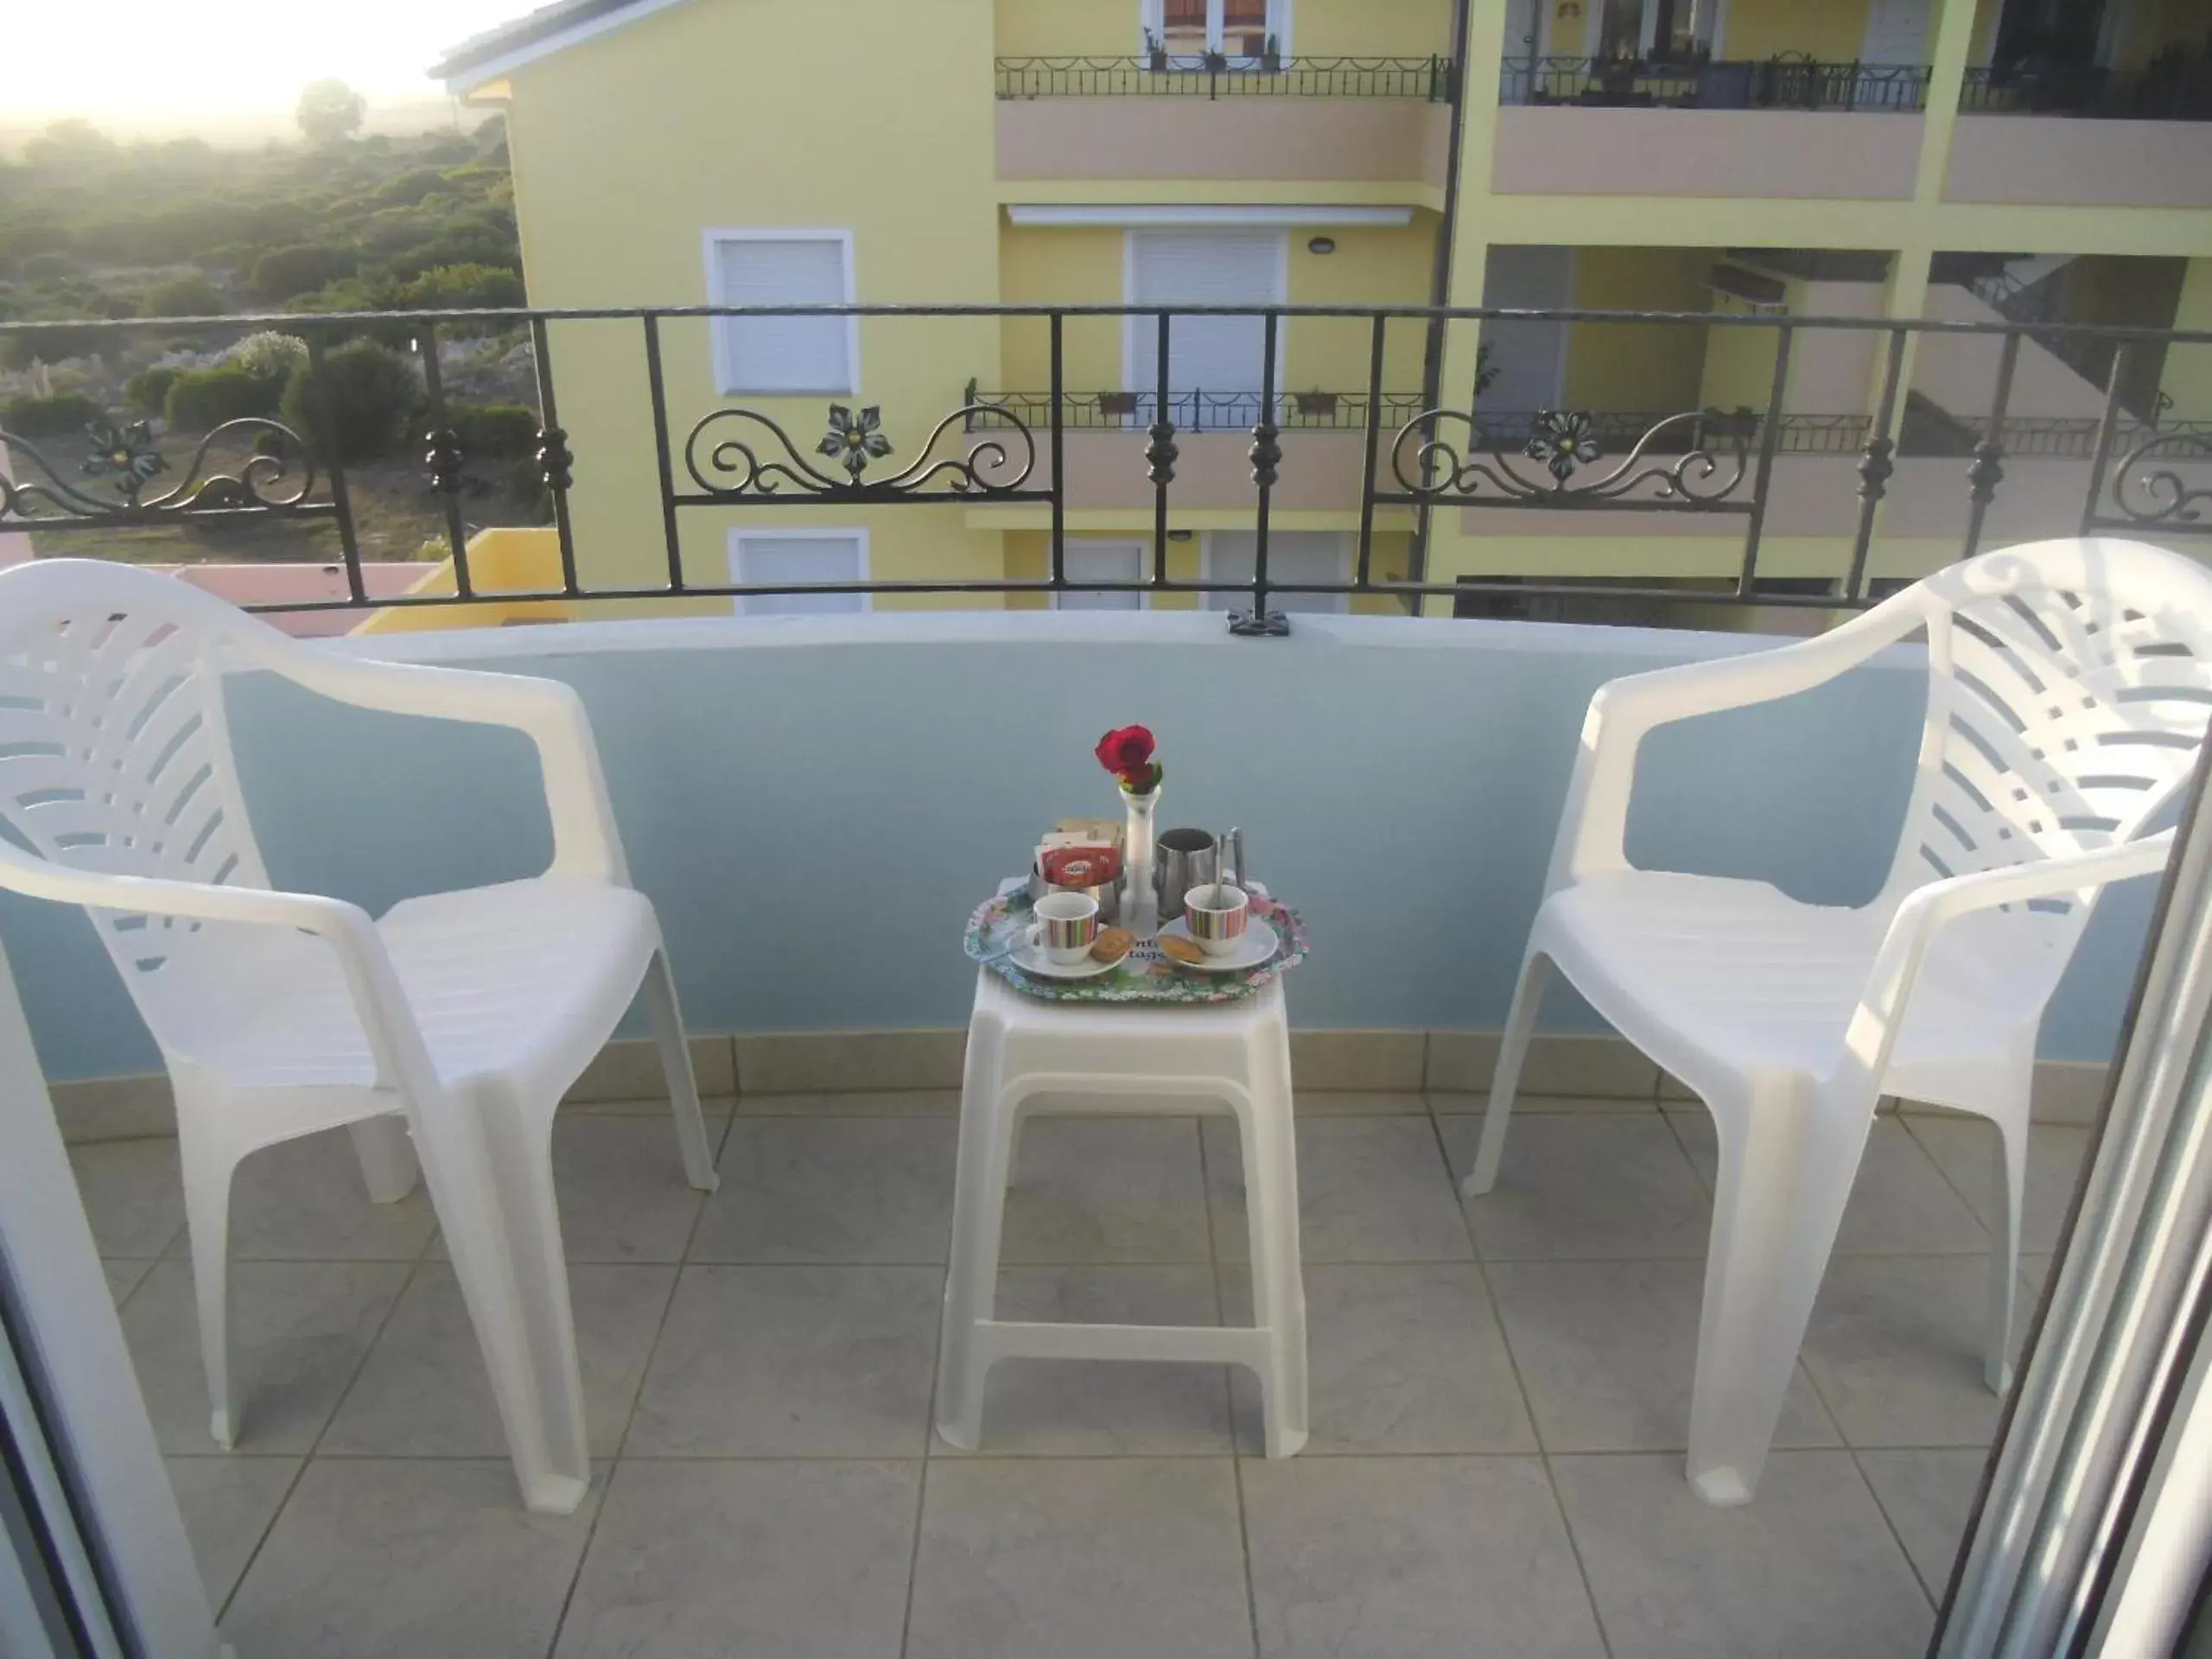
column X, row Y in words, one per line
column 1886, row 159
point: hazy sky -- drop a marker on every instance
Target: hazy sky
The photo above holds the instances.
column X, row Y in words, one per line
column 159, row 58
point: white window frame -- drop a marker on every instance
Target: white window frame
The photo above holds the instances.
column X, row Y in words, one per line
column 1339, row 604
column 740, row 534
column 1152, row 19
column 727, row 380
column 1139, row 356
column 1142, row 548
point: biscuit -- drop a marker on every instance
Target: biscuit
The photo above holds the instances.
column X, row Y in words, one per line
column 1113, row 943
column 1174, row 944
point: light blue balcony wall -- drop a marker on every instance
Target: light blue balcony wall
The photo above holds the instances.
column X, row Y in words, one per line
column 814, row 805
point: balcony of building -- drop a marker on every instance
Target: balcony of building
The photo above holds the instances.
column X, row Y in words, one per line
column 1233, row 89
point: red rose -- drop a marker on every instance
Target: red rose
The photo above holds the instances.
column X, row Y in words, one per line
column 1126, row 752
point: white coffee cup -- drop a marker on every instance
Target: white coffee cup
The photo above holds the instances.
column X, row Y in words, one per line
column 1216, row 916
column 1066, row 926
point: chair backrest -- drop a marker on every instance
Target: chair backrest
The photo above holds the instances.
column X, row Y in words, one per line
column 2069, row 687
column 115, row 752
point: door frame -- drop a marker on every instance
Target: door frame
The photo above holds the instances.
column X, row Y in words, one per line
column 1139, row 547
column 1340, row 603
column 1134, row 349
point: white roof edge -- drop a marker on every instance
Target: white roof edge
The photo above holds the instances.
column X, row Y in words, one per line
column 460, row 85
column 1270, row 215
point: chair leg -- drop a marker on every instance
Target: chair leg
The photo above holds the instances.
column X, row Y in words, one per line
column 387, row 1157
column 490, row 1176
column 1505, row 1082
column 2010, row 1173
column 1787, row 1162
column 676, row 1063
column 1270, row 1148
column 987, row 1134
column 207, row 1171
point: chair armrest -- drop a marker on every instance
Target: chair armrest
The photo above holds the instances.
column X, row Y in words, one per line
column 1926, row 910
column 586, row 843
column 387, row 1020
column 1593, row 824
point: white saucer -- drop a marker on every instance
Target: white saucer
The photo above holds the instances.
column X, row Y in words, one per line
column 1031, row 960
column 1257, row 946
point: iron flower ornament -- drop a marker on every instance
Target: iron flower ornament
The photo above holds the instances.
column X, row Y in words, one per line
column 1562, row 440
column 854, row 440
column 124, row 453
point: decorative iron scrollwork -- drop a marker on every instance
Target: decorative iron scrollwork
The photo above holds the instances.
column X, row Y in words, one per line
column 125, row 457
column 2161, row 496
column 1565, row 442
column 732, row 467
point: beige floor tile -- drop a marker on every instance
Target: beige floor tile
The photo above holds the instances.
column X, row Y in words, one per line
column 434, row 1560
column 746, row 1561
column 1966, row 1151
column 423, row 1391
column 800, row 1062
column 1473, row 1105
column 298, row 1331
column 1370, row 1189
column 1096, row 1408
column 132, row 1194
column 833, row 1189
column 124, row 1276
column 792, row 1363
column 1356, row 1103
column 1895, row 1349
column 1106, row 1190
column 1584, row 1187
column 1357, row 1059
column 1807, row 1568
column 1606, row 1352
column 302, row 1201
column 1900, row 1204
column 1927, row 1496
column 1457, row 1558
column 1080, row 1559
column 881, row 1102
column 1400, row 1359
column 228, row 1504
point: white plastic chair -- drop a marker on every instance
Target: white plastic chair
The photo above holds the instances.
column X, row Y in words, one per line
column 458, row 1019
column 2067, row 684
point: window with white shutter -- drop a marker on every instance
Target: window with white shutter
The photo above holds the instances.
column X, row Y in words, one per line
column 793, row 355
column 778, row 557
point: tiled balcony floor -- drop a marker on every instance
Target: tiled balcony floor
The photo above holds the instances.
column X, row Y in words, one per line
column 1499, row 1400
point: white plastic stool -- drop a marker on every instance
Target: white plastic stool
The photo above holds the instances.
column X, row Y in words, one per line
column 1232, row 1059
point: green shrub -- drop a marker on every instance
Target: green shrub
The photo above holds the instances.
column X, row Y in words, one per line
column 183, row 296
column 51, row 417
column 147, row 392
column 200, row 399
column 369, row 391
column 268, row 353
column 282, row 273
column 50, row 267
column 503, row 431
column 462, row 288
column 409, row 187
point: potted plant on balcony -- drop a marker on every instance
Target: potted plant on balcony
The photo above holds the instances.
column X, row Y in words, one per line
column 1118, row 405
column 1315, row 405
column 1216, row 61
column 1271, row 55
column 1155, row 53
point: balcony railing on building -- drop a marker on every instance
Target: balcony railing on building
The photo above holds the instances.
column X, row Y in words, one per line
column 1218, row 75
column 2174, row 85
column 1415, row 457
column 1786, row 82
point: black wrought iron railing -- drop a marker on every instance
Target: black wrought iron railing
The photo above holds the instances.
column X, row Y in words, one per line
column 2176, row 87
column 1780, row 82
column 1217, row 75
column 1195, row 411
column 715, row 456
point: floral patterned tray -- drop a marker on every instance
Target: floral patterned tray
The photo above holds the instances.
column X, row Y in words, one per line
column 1144, row 975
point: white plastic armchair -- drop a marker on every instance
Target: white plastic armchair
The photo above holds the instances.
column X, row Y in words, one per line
column 2068, row 684
column 456, row 1020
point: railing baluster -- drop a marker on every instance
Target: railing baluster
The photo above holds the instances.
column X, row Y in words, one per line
column 442, row 455
column 1266, row 457
column 1988, row 469
column 1160, row 457
column 1373, row 451
column 658, row 390
column 341, row 500
column 1876, row 467
column 554, row 460
column 1059, row 459
column 1785, row 335
column 2107, row 435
